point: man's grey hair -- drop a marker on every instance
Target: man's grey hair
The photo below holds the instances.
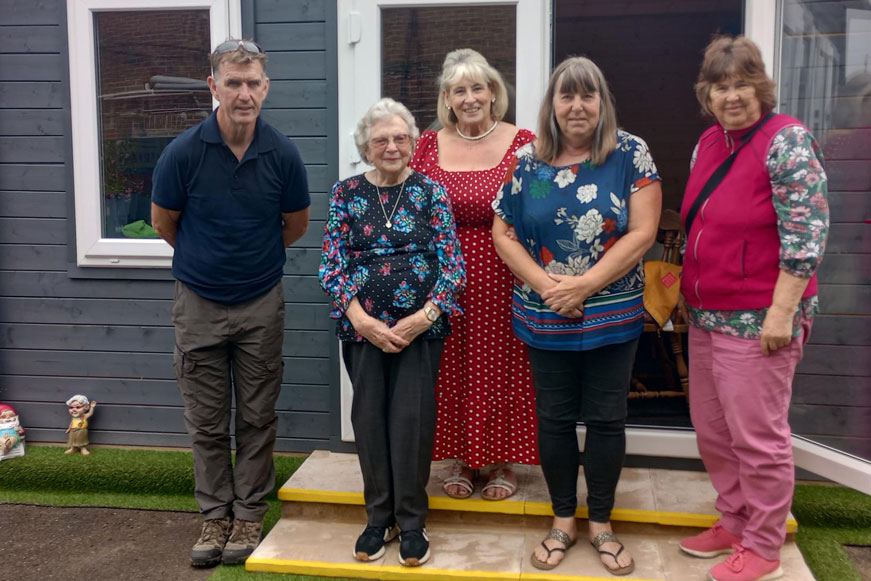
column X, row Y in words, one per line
column 240, row 56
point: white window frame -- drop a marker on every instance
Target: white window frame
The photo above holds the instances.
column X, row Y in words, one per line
column 359, row 23
column 92, row 249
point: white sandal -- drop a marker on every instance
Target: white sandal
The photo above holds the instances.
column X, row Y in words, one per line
column 499, row 481
column 457, row 479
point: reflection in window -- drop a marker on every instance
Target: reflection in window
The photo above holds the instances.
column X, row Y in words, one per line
column 826, row 82
column 151, row 71
column 826, row 65
column 416, row 40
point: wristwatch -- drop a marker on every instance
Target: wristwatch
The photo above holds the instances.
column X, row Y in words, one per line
column 431, row 314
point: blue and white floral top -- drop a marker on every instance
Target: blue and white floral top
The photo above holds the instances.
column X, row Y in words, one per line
column 392, row 270
column 567, row 217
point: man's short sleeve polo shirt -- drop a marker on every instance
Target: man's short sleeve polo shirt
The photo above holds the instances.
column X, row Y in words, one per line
column 229, row 246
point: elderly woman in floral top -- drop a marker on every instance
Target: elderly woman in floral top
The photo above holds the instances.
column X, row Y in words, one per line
column 748, row 280
column 392, row 265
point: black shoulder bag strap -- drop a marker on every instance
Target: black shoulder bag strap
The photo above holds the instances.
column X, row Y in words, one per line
column 720, row 173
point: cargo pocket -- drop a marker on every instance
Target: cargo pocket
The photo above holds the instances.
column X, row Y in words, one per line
column 184, row 367
column 258, row 407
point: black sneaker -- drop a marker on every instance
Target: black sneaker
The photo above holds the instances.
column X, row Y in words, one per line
column 208, row 548
column 370, row 543
column 244, row 538
column 413, row 548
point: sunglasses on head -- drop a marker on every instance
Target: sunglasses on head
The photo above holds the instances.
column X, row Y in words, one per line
column 233, row 45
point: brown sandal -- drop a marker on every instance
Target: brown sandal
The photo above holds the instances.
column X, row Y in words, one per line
column 557, row 535
column 610, row 537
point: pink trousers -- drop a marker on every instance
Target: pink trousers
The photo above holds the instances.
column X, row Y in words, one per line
column 739, row 404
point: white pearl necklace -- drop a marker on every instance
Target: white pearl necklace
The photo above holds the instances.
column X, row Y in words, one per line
column 477, row 137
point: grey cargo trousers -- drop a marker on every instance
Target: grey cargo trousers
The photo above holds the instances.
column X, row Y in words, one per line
column 221, row 350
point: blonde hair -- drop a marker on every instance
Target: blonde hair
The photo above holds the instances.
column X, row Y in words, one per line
column 465, row 63
column 574, row 75
column 734, row 56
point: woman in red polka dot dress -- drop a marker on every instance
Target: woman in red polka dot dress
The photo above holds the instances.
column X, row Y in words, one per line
column 486, row 403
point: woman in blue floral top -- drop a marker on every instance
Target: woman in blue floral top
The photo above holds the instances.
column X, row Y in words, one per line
column 392, row 265
column 749, row 282
column 578, row 210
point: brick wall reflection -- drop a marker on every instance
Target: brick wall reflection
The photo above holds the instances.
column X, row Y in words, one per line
column 416, row 40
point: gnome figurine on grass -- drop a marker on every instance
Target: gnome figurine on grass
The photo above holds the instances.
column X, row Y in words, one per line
column 11, row 432
column 81, row 410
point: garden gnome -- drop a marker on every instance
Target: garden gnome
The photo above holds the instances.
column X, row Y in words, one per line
column 10, row 430
column 81, row 410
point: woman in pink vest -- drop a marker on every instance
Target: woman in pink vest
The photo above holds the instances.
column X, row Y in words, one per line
column 755, row 238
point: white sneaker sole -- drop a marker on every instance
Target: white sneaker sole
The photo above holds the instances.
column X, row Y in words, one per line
column 412, row 562
column 706, row 554
column 389, row 535
column 776, row 574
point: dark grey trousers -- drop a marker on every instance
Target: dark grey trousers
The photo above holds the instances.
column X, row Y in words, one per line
column 219, row 350
column 393, row 415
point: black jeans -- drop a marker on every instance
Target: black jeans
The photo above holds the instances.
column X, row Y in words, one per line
column 591, row 386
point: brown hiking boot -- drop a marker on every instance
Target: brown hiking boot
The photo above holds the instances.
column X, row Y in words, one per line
column 243, row 540
column 208, row 548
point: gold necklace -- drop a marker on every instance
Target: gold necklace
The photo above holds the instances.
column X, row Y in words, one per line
column 388, row 220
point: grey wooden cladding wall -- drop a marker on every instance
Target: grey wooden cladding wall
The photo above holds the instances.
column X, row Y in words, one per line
column 65, row 332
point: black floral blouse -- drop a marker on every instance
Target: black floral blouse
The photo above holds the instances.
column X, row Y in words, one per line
column 392, row 271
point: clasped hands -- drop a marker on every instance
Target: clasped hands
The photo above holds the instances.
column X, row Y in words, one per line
column 396, row 338
column 566, row 295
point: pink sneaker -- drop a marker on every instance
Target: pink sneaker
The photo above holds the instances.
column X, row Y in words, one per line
column 745, row 565
column 714, row 541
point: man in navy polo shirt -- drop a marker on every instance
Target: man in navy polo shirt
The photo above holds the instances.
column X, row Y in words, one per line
column 230, row 194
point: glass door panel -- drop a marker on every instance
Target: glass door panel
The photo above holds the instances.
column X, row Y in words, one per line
column 825, row 81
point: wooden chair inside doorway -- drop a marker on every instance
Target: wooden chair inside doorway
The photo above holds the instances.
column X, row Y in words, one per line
column 667, row 341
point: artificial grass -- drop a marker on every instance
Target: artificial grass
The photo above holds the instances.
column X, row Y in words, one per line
column 829, row 517
column 116, row 478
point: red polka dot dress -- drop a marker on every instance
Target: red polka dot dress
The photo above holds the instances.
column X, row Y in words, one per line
column 484, row 393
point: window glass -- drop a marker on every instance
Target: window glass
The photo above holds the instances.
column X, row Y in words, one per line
column 416, row 40
column 825, row 77
column 151, row 85
column 825, row 81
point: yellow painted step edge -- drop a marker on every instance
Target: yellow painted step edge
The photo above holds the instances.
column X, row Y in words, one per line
column 369, row 571
column 325, row 496
column 399, row 573
column 518, row 508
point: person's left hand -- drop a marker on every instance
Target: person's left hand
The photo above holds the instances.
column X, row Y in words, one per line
column 410, row 326
column 776, row 330
column 568, row 296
